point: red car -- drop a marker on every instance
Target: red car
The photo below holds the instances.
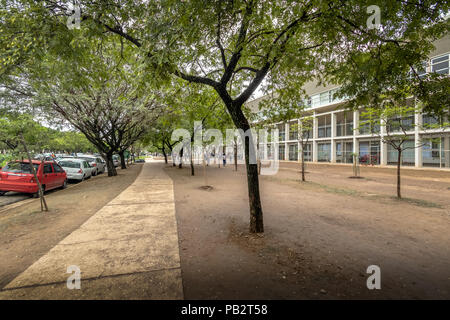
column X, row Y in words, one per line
column 17, row 176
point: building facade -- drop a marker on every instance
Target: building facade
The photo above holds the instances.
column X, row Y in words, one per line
column 337, row 136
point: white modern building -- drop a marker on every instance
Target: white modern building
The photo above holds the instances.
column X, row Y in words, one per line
column 337, row 135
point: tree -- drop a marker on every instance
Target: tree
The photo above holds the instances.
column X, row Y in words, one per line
column 197, row 105
column 21, row 132
column 305, row 130
column 390, row 123
column 159, row 136
column 100, row 96
column 118, row 124
column 232, row 46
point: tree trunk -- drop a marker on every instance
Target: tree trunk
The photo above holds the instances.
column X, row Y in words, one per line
column 123, row 163
column 235, row 155
column 204, row 170
column 258, row 159
column 44, row 206
column 399, row 159
column 165, row 156
column 110, row 165
column 303, row 166
column 192, row 162
column 256, row 213
column 180, row 165
column 171, row 153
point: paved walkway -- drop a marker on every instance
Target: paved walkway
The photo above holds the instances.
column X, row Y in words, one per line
column 127, row 250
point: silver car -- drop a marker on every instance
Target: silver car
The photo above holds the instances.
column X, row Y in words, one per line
column 116, row 160
column 76, row 169
column 98, row 164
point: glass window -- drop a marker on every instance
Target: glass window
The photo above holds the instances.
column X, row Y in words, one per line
column 19, row 167
column 407, row 155
column 338, row 150
column 48, row 168
column 281, row 133
column 293, row 152
column 307, row 152
column 70, row 164
column 324, row 97
column 440, row 65
column 324, row 152
column 57, row 168
column 293, row 133
column 433, row 153
column 281, row 152
column 315, row 100
column 363, row 148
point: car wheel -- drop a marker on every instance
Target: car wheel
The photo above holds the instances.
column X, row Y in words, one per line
column 64, row 186
column 82, row 179
column 2, row 193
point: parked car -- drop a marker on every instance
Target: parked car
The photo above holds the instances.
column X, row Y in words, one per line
column 76, row 169
column 58, row 159
column 98, row 164
column 116, row 160
column 17, row 176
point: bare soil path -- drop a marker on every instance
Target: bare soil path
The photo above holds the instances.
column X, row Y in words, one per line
column 319, row 238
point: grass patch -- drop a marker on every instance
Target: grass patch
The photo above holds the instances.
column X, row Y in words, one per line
column 353, row 193
column 418, row 202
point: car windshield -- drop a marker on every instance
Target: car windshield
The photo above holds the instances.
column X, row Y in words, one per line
column 88, row 159
column 69, row 164
column 20, row 167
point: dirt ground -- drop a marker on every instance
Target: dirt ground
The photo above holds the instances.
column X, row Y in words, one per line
column 26, row 233
column 320, row 236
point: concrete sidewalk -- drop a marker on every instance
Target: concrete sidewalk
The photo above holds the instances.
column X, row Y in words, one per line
column 127, row 250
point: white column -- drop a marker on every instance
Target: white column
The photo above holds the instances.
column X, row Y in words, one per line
column 418, row 149
column 447, row 152
column 356, row 132
column 333, row 135
column 314, row 144
column 383, row 145
column 355, row 122
column 299, row 145
column 286, row 147
column 286, row 130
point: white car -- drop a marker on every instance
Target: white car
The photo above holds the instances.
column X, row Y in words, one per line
column 98, row 164
column 76, row 169
column 116, row 160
